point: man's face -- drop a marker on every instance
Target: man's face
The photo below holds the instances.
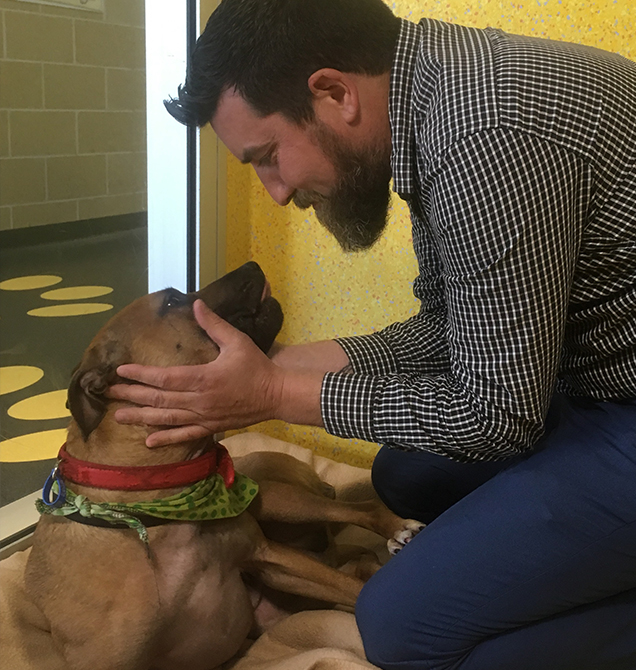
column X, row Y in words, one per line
column 311, row 165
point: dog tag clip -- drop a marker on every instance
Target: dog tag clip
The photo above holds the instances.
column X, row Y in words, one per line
column 47, row 490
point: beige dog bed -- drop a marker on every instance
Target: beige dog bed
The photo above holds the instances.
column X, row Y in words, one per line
column 312, row 640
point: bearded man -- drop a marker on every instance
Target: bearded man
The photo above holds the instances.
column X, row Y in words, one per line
column 507, row 407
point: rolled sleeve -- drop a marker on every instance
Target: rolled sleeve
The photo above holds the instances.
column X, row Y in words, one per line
column 369, row 354
column 346, row 402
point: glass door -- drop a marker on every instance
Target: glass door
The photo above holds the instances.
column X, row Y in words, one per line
column 85, row 225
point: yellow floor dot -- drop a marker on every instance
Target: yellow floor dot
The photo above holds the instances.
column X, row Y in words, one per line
column 16, row 377
column 32, row 447
column 29, row 282
column 50, row 405
column 77, row 293
column 77, row 309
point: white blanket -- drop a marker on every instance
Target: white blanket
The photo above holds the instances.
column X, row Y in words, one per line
column 312, row 640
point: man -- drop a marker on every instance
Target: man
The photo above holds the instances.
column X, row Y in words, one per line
column 507, row 406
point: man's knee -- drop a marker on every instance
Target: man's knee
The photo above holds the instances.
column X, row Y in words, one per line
column 411, row 484
column 388, row 626
column 421, row 485
column 380, row 626
column 385, row 476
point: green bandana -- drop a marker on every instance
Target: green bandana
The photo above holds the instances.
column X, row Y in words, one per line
column 206, row 500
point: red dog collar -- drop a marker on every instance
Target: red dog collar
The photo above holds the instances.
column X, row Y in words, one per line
column 147, row 478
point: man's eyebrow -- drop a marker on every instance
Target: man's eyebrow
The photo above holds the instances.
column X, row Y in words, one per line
column 251, row 152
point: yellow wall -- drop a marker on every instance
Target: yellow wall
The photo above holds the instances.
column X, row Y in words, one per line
column 326, row 293
column 72, row 112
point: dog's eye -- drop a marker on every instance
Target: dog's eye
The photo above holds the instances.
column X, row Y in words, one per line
column 174, row 299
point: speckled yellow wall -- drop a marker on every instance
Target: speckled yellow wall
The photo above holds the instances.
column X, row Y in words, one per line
column 326, row 293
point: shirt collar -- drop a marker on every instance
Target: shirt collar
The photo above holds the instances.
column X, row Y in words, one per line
column 401, row 109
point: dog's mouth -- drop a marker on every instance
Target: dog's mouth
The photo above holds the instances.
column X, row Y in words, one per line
column 244, row 299
column 267, row 291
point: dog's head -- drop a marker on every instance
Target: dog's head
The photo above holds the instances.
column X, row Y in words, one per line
column 159, row 329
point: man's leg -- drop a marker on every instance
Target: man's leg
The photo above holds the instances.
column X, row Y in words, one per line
column 420, row 485
column 599, row 636
column 533, row 570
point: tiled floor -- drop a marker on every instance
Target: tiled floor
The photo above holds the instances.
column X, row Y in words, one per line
column 43, row 331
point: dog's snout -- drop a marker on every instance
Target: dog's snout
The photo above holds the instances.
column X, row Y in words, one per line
column 243, row 297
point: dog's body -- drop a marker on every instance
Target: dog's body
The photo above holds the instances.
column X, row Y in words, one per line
column 111, row 601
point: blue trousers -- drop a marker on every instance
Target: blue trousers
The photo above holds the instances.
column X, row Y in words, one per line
column 525, row 565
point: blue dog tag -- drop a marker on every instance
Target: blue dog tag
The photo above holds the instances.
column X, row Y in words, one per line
column 51, row 497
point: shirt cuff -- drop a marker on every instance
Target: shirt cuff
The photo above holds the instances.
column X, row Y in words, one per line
column 346, row 403
column 369, row 354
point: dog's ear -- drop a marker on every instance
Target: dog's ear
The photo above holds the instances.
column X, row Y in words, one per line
column 86, row 399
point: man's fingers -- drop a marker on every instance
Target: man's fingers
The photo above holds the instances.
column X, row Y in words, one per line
column 164, row 438
column 178, row 378
column 150, row 416
column 218, row 329
column 140, row 395
column 151, row 396
column 146, row 374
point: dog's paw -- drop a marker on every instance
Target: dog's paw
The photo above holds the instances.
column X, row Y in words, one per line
column 408, row 531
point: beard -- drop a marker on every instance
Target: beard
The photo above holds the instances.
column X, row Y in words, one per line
column 356, row 211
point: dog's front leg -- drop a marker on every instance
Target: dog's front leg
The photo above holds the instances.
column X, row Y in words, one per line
column 292, row 571
column 280, row 501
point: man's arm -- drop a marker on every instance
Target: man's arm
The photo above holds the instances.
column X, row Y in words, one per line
column 323, row 356
column 241, row 387
column 418, row 344
column 506, row 216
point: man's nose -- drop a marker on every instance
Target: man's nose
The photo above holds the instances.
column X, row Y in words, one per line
column 277, row 189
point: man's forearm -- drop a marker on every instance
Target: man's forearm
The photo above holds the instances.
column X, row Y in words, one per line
column 324, row 356
column 305, row 366
column 300, row 398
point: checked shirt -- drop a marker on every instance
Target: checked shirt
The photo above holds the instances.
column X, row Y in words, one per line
column 517, row 157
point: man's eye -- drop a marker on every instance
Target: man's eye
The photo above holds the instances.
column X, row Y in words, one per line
column 267, row 160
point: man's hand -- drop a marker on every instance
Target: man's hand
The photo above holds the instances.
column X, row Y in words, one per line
column 240, row 388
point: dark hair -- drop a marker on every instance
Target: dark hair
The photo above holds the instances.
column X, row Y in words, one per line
column 268, row 49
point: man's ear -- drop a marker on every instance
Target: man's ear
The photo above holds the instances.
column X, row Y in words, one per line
column 96, row 372
column 335, row 94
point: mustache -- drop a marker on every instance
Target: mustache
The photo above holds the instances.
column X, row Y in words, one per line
column 307, row 199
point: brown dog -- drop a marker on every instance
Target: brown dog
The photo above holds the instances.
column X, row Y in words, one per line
column 179, row 601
